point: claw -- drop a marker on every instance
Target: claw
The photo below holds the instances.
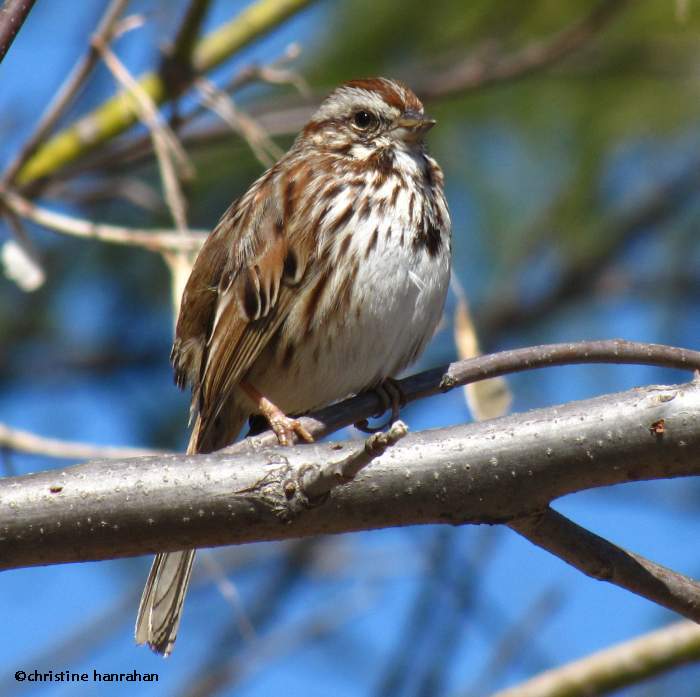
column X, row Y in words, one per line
column 285, row 428
column 391, row 395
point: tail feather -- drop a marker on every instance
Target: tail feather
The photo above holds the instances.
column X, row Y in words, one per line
column 163, row 597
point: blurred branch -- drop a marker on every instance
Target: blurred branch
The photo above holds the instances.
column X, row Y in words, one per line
column 12, row 16
column 260, row 143
column 517, row 638
column 86, row 638
column 120, row 112
column 618, row 666
column 604, row 561
column 507, row 312
column 19, row 258
column 321, row 621
column 220, row 667
column 157, row 240
column 462, row 580
column 26, row 442
column 176, row 67
column 68, row 90
column 478, row 73
column 401, row 666
column 269, row 118
column 173, row 162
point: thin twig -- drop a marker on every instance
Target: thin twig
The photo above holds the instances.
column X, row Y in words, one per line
column 12, row 16
column 27, row 442
column 260, row 143
column 448, row 377
column 155, row 239
column 173, row 161
column 67, row 92
column 600, row 559
column 316, row 483
column 619, row 666
column 475, row 74
column 229, row 592
column 112, row 118
column 139, row 147
column 322, row 620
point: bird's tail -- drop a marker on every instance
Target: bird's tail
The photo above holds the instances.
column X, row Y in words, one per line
column 164, row 594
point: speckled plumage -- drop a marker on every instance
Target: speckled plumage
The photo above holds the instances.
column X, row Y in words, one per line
column 327, row 277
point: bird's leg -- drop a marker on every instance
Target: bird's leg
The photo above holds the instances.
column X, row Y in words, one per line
column 285, row 428
column 391, row 395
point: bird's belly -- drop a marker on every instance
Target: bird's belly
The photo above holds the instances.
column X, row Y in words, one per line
column 390, row 314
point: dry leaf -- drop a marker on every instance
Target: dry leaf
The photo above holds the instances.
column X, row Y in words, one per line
column 486, row 399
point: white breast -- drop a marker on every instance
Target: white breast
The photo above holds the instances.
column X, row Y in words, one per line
column 372, row 329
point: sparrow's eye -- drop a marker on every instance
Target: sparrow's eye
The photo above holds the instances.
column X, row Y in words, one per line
column 364, row 119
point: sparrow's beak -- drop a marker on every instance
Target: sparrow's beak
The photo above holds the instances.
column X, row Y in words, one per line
column 413, row 125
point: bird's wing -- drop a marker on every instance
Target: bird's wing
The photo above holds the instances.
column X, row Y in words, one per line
column 241, row 288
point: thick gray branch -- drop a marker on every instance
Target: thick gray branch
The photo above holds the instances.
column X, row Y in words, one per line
column 495, row 471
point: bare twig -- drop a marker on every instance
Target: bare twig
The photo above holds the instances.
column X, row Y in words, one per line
column 27, row 442
column 115, row 115
column 618, row 666
column 278, row 122
column 316, row 483
column 12, row 16
column 173, row 161
column 604, row 561
column 264, row 610
column 475, row 74
column 262, row 146
column 228, row 590
column 156, row 239
column 457, row 374
column 67, row 91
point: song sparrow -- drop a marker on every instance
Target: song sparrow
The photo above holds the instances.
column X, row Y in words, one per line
column 326, row 278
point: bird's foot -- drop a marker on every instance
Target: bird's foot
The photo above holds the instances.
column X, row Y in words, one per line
column 391, row 396
column 287, row 429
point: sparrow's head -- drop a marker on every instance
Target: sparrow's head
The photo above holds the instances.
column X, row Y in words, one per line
column 363, row 115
